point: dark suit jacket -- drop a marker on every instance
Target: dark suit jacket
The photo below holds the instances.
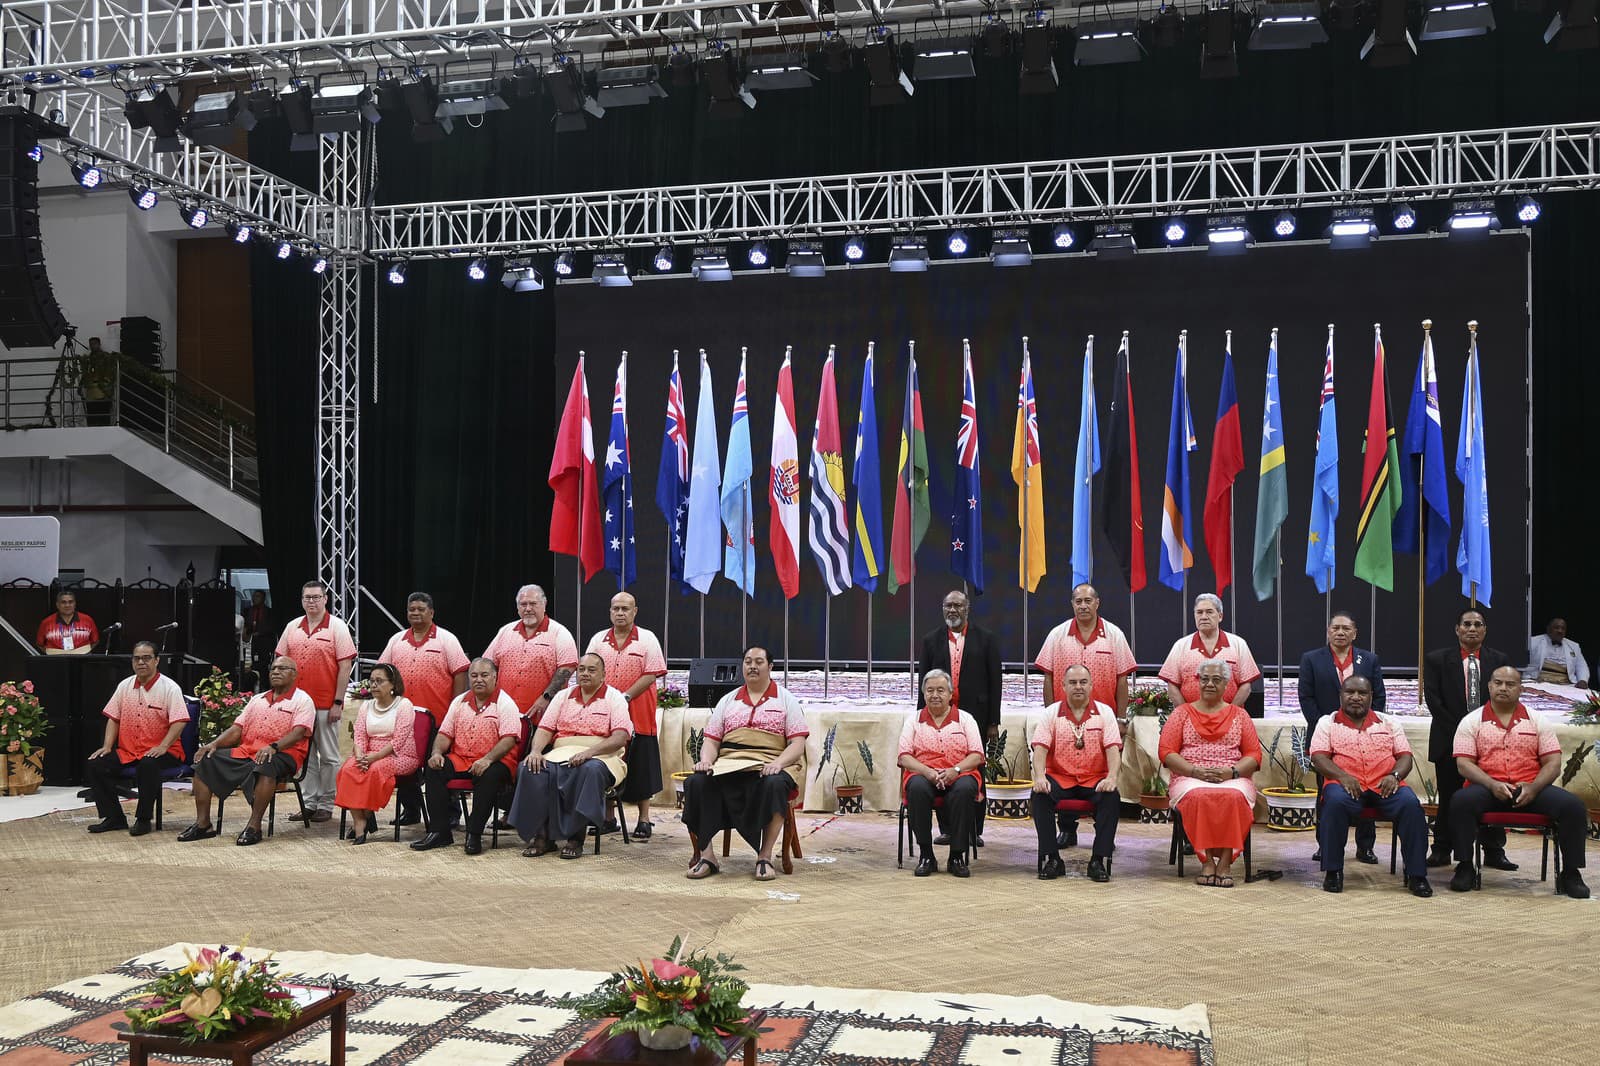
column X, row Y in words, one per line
column 980, row 671
column 1445, row 689
column 1319, row 683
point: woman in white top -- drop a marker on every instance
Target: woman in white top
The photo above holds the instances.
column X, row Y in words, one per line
column 385, row 749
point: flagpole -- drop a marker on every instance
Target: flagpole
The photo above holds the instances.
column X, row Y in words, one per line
column 911, row 554
column 1027, row 478
column 666, row 602
column 869, row 643
column 786, row 642
column 1277, row 595
column 577, row 583
column 702, row 625
column 1472, row 374
column 1422, row 525
column 627, row 483
column 827, row 644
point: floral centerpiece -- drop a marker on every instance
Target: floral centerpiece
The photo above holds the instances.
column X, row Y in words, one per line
column 219, row 704
column 1585, row 713
column 360, row 688
column 1150, row 701
column 218, row 991
column 22, row 721
column 669, row 1001
column 672, row 696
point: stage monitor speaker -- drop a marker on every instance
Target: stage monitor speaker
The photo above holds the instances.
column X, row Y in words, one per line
column 711, row 679
column 29, row 315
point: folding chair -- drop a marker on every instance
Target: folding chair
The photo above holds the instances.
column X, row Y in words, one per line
column 284, row 786
column 902, row 837
column 190, row 739
column 1518, row 820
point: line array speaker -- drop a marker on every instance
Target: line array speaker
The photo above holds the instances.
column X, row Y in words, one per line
column 29, row 315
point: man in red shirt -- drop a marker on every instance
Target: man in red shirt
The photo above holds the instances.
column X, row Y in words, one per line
column 144, row 721
column 68, row 630
column 634, row 663
column 535, row 655
column 434, row 667
column 477, row 742
column 1077, row 755
column 323, row 653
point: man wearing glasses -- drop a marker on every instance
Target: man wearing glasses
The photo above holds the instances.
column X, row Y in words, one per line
column 145, row 717
column 1455, row 683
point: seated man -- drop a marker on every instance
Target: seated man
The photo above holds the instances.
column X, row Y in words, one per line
column 1077, row 754
column 1510, row 760
column 941, row 757
column 144, row 723
column 477, row 742
column 1365, row 758
column 563, row 792
column 266, row 744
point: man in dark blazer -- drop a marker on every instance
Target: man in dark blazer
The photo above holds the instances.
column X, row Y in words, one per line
column 1445, row 677
column 1323, row 672
column 977, row 677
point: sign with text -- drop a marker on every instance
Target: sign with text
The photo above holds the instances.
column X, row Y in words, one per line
column 30, row 547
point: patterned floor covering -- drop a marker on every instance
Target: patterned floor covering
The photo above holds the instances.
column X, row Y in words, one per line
column 406, row 1011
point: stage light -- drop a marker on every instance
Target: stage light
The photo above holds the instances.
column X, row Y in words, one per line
column 418, row 92
column 1470, row 18
column 340, row 103
column 294, row 100
column 1111, row 41
column 143, row 197
column 1390, row 44
column 152, row 107
column 397, row 272
column 1175, row 230
column 908, row 255
column 473, row 93
column 1166, row 29
column 957, row 243
column 611, row 271
column 565, row 264
column 785, row 71
column 889, row 84
column 1283, row 224
column 720, row 69
column 1470, row 217
column 1404, row 217
column 835, row 52
column 758, row 256
column 319, row 263
column 1011, row 248
column 87, row 174
column 1227, row 233
column 942, row 58
column 680, row 66
column 855, row 249
column 565, row 81
column 478, row 269
column 996, row 36
column 1528, row 209
column 36, row 153
column 521, row 276
column 1218, row 55
column 240, row 232
column 193, row 215
column 710, row 263
column 805, row 260
column 663, row 259
column 1062, row 237
column 1038, row 74
column 218, row 117
column 1114, row 240
column 285, row 250
column 1573, row 26
column 1352, row 227
column 1284, row 26
column 629, row 86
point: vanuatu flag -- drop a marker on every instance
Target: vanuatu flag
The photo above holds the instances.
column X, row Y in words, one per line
column 1380, row 481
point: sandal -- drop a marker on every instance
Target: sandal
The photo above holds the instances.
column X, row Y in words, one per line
column 642, row 831
column 703, row 869
column 1222, row 881
column 571, row 849
column 539, row 846
column 764, row 870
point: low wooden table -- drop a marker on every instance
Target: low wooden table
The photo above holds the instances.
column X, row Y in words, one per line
column 624, row 1049
column 241, row 1047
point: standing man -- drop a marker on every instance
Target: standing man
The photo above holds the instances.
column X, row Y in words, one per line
column 323, row 653
column 1554, row 659
column 1455, row 683
column 1181, row 671
column 477, row 742
column 970, row 654
column 144, row 724
column 1077, row 755
column 535, row 655
column 68, row 631
column 634, row 662
column 434, row 668
column 1323, row 672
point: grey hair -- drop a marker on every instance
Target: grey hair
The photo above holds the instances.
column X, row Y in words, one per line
column 533, row 588
column 1209, row 597
column 1227, row 670
column 931, row 674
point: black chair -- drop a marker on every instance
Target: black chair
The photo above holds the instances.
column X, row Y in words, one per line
column 902, row 837
column 1175, row 855
column 293, row 782
column 614, row 805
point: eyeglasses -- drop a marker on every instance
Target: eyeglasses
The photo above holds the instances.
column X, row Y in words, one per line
column 144, row 658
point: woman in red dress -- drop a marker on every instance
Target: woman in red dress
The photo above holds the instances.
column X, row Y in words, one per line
column 1211, row 747
column 385, row 749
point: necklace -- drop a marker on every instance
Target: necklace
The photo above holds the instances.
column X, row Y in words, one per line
column 1077, row 731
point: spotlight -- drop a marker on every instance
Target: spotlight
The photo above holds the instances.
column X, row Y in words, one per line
column 340, row 104
column 1443, row 21
column 285, row 250
column 1175, row 231
column 397, row 272
column 564, row 79
column 473, row 93
column 1283, row 224
column 889, row 83
column 36, row 153
column 1166, row 29
column 87, row 174
column 611, row 271
column 521, row 276
column 1062, row 237
column 143, row 197
column 663, row 259
column 1038, row 60
column 1472, row 217
column 319, row 263
column 419, row 93
column 478, row 269
column 805, row 260
column 1390, row 44
column 218, row 117
column 996, row 37
column 1114, row 240
column 680, row 66
column 1573, row 26
column 785, row 71
column 908, row 255
column 1404, row 217
column 957, row 243
column 1110, row 41
column 194, row 215
column 1528, row 209
column 1284, row 26
column 1011, row 248
column 1227, row 234
column 941, row 58
column 240, row 232
column 758, row 255
column 720, row 69
column 565, row 264
column 152, row 107
column 629, row 86
column 1352, row 227
column 294, row 100
column 855, row 249
column 1218, row 57
column 710, row 263
column 835, row 51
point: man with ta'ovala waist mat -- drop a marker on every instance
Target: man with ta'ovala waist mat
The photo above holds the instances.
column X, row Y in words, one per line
column 970, row 654
column 1455, row 683
column 1323, row 672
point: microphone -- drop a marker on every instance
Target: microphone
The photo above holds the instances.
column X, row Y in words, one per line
column 112, row 628
column 169, row 625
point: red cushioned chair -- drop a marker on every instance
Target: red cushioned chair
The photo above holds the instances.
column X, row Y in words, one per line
column 1082, row 809
column 461, row 791
column 1518, row 820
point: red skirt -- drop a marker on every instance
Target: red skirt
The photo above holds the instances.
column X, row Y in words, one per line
column 365, row 790
column 1215, row 815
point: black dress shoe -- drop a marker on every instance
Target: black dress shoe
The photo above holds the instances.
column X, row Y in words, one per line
column 958, row 867
column 106, row 825
column 1366, row 855
column 407, row 818
column 1438, row 858
column 474, row 844
column 430, row 841
column 195, row 832
column 1463, row 880
column 248, row 836
column 942, row 839
column 1098, row 871
column 1419, row 887
column 139, row 828
column 977, row 841
column 1333, row 881
column 1051, row 869
column 1067, row 838
column 927, row 865
column 1496, row 860
column 1188, row 848
column 1571, row 882
column 1316, row 856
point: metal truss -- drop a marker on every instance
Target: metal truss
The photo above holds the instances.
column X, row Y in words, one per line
column 1330, row 173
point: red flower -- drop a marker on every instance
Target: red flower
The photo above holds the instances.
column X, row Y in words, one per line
column 667, row 970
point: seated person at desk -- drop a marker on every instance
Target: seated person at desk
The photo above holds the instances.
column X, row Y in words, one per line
column 941, row 756
column 477, row 743
column 266, row 744
column 1077, row 755
column 562, row 792
column 69, row 631
column 144, row 725
column 1554, row 659
column 752, row 761
column 385, row 749
column 1211, row 747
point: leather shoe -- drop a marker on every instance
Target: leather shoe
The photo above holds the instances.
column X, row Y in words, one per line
column 1367, row 855
column 927, row 865
column 1571, row 882
column 247, row 836
column 958, row 867
column 139, row 828
column 1098, row 871
column 1464, row 878
column 195, row 832
column 1419, row 887
column 408, row 818
column 318, row 815
column 107, row 825
column 1439, row 858
column 942, row 839
column 978, row 840
column 1333, row 881
column 1316, row 856
column 1067, row 838
column 474, row 844
column 1496, row 860
column 430, row 841
column 1051, row 869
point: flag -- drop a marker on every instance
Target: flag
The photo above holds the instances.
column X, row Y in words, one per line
column 672, row 479
column 616, row 488
column 1324, row 485
column 1083, row 472
column 966, row 515
column 1472, row 551
column 1028, row 473
column 702, row 552
column 783, row 486
column 1380, row 472
column 738, row 515
column 866, row 561
column 1423, row 448
column 830, row 535
column 1272, row 491
column 1176, row 525
column 1121, row 514
column 1227, row 461
column 574, row 514
column 911, row 506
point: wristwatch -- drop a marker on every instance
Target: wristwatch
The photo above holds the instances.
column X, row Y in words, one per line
column 274, row 746
column 1234, row 771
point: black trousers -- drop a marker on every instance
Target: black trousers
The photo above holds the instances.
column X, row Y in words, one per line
column 1450, row 783
column 1107, row 808
column 105, row 773
column 1555, row 803
column 485, row 791
column 959, row 812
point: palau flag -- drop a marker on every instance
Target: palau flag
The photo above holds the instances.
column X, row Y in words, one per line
column 1176, row 531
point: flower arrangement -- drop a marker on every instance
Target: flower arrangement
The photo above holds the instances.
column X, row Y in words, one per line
column 1150, row 701
column 219, row 704
column 1585, row 713
column 1296, row 762
column 672, row 696
column 691, row 990
column 996, row 766
column 863, row 752
column 218, row 991
column 22, row 721
column 360, row 688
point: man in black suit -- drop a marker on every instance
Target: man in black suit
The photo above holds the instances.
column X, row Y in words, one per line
column 1455, row 683
column 1323, row 672
column 971, row 655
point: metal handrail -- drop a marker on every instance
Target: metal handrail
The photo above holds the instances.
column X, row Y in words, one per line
column 191, row 422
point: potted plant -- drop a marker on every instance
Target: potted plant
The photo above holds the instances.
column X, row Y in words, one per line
column 849, row 793
column 671, row 696
column 1153, row 793
column 1006, row 790
column 670, row 1003
column 1430, row 805
column 691, row 747
column 22, row 729
column 219, row 991
column 1291, row 807
column 219, row 704
column 1150, row 701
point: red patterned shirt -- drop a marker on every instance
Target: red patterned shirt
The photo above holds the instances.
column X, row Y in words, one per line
column 528, row 659
column 1105, row 655
column 144, row 713
column 1510, row 752
column 268, row 717
column 570, row 715
column 1058, row 733
column 429, row 667
column 776, row 712
column 626, row 663
column 1233, row 737
column 317, row 654
column 76, row 635
column 474, row 729
column 1183, row 663
column 1367, row 751
column 940, row 747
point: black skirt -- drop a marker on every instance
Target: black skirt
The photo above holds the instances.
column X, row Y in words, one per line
column 644, row 770
column 744, row 802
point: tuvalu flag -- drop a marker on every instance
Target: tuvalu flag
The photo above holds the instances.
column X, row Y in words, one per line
column 1121, row 515
column 1227, row 460
column 1380, row 480
column 1085, row 467
column 1272, row 491
column 911, row 508
column 1320, row 555
column 783, row 485
column 1176, row 525
column 575, row 512
column 738, row 512
column 616, row 488
column 966, row 505
column 1472, row 551
column 1027, row 472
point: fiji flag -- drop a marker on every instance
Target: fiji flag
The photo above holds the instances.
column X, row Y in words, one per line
column 738, row 515
column 1324, row 485
column 966, row 515
column 1177, row 531
column 1087, row 466
column 616, row 488
column 672, row 480
column 867, row 560
column 1472, row 552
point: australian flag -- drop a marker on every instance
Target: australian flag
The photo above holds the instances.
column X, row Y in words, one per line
column 616, row 488
column 672, row 481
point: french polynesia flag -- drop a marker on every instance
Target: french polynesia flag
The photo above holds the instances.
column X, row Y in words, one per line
column 783, row 487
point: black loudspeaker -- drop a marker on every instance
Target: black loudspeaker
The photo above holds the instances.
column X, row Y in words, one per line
column 711, row 679
column 141, row 340
column 29, row 315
